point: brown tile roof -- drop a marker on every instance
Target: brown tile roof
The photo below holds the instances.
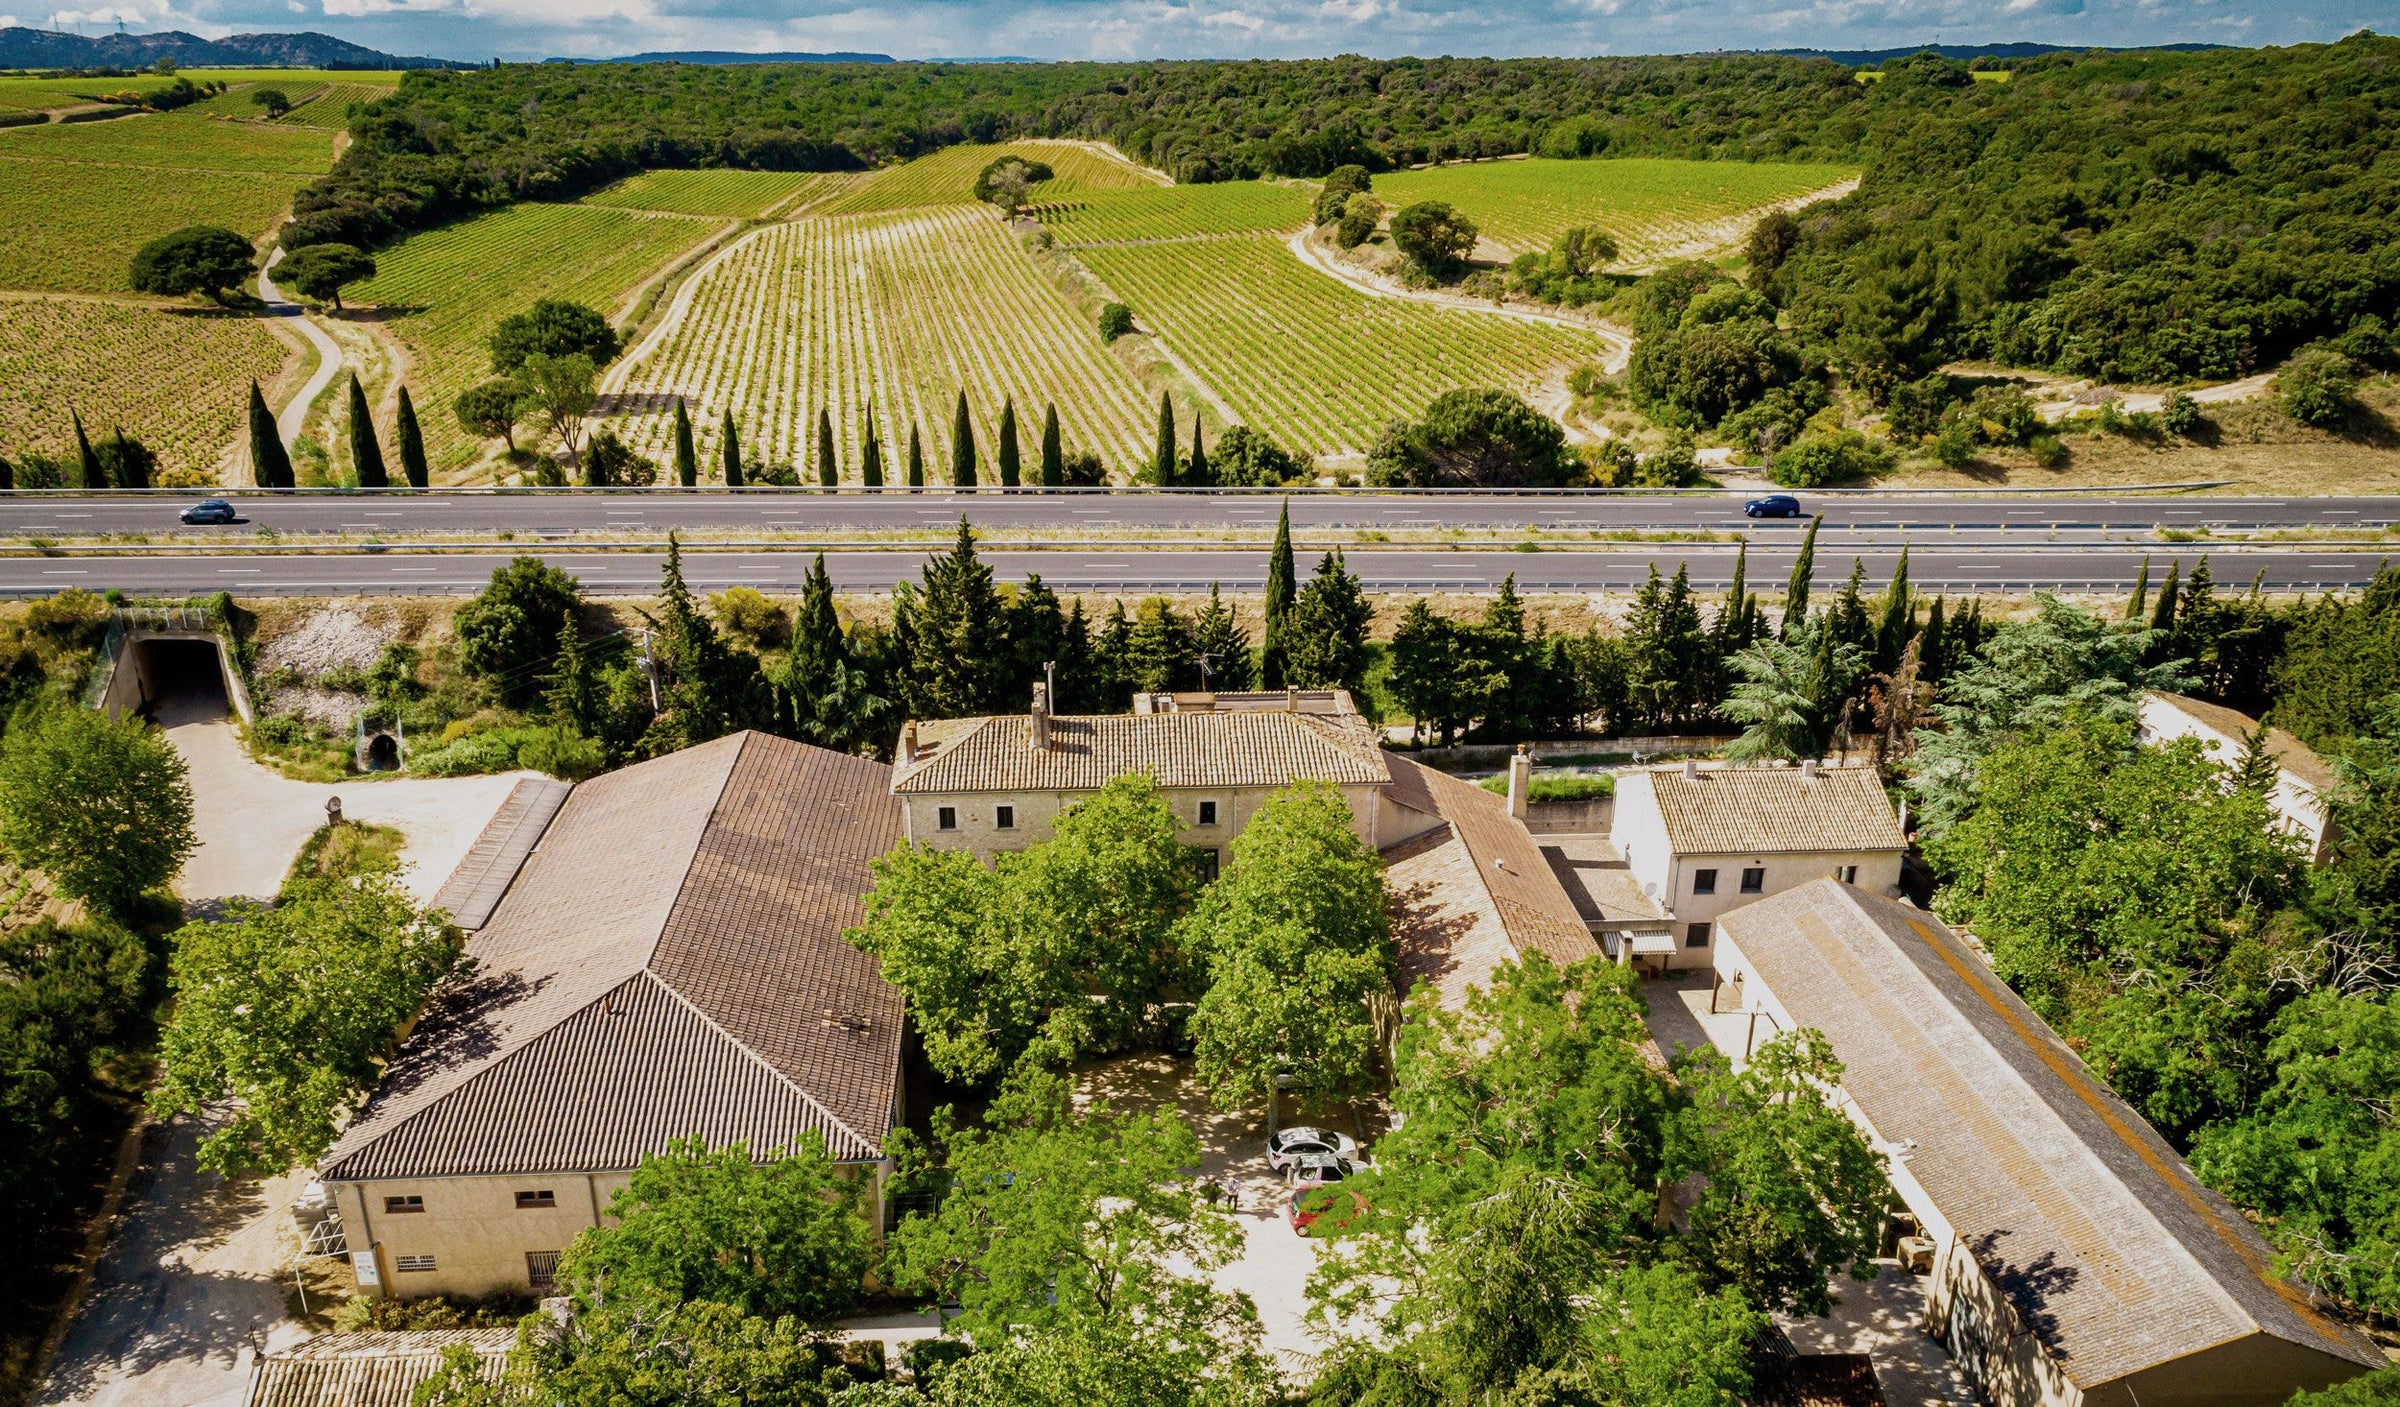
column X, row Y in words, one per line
column 670, row 962
column 2291, row 754
column 1769, row 810
column 1233, row 749
column 2105, row 1242
column 369, row 1370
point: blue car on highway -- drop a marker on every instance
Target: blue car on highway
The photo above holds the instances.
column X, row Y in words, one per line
column 1774, row 505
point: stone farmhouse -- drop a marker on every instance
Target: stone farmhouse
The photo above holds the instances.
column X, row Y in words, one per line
column 2303, row 780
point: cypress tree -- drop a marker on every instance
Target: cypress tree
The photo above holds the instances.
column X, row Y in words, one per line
column 1733, row 618
column 870, row 454
column 94, row 476
column 133, row 462
column 2163, row 619
column 732, row 449
column 1795, row 594
column 270, row 464
column 962, row 445
column 1282, row 586
column 687, row 461
column 412, row 445
column 1011, row 471
column 1935, row 640
column 2141, row 592
column 829, row 473
column 916, row 458
column 1054, row 458
column 8, row 473
column 1162, row 467
column 366, row 456
column 1197, row 474
column 1899, row 619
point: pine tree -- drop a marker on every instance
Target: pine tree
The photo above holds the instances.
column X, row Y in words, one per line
column 1670, row 665
column 1328, row 633
column 2163, row 619
column 1162, row 467
column 829, row 471
column 916, row 458
column 1218, row 639
column 962, row 445
column 1899, row 619
column 1274, row 658
column 957, row 660
column 1795, row 594
column 1197, row 473
column 687, row 460
column 1111, row 671
column 732, row 449
column 95, row 476
column 571, row 697
column 1736, row 624
column 1078, row 687
column 1035, row 627
column 2141, row 592
column 1933, row 646
column 270, row 463
column 411, row 441
column 818, row 651
column 1159, row 654
column 870, row 454
column 366, row 456
column 1054, row 458
column 1010, row 469
column 707, row 688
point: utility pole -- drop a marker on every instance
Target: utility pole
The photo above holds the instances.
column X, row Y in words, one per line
column 1206, row 659
column 650, row 669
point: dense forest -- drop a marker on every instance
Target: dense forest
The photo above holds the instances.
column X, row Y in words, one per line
column 2139, row 216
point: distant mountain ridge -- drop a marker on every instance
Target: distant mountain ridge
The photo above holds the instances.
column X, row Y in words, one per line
column 1874, row 58
column 733, row 56
column 42, row 48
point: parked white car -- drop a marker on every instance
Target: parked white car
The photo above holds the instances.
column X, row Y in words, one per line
column 1288, row 1144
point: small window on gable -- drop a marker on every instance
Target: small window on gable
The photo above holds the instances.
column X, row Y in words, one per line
column 1208, row 813
column 1005, row 817
column 1754, row 880
column 1704, row 881
column 399, row 1206
column 946, row 818
column 530, row 1201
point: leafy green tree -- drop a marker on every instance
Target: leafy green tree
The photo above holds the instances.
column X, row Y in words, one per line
column 2377, row 1389
column 270, row 463
column 729, row 448
column 553, row 327
column 492, row 409
column 1218, row 642
column 1011, row 468
column 1162, row 461
column 410, row 439
column 562, row 390
column 1159, row 654
column 772, row 1237
column 2340, row 657
column 1116, row 320
column 1473, row 439
column 1341, row 183
column 286, row 1009
column 69, row 994
column 1054, row 463
column 687, row 460
column 1434, row 237
column 633, row 1353
column 962, row 445
column 366, row 453
column 1274, row 656
column 101, row 805
column 508, row 634
column 1836, row 457
column 274, row 100
column 1429, row 674
column 1296, row 942
column 1246, row 459
column 1327, row 645
column 2317, row 386
column 1777, row 703
column 196, row 259
column 319, row 270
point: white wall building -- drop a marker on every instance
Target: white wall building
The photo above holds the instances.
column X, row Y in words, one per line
column 2302, row 779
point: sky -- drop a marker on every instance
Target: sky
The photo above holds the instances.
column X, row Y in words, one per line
column 1140, row 29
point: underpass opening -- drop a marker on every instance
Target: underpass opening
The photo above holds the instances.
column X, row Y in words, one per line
column 178, row 680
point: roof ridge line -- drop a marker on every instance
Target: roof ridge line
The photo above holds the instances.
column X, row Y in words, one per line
column 761, row 1061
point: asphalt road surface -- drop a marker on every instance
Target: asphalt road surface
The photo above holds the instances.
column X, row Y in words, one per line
column 656, row 511
column 636, row 572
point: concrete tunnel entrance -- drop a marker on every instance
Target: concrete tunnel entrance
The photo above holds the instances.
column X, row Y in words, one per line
column 178, row 681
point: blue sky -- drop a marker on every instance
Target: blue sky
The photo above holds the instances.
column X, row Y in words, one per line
column 1120, row 29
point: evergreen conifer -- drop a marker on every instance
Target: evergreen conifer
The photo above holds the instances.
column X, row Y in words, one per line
column 411, row 441
column 366, row 455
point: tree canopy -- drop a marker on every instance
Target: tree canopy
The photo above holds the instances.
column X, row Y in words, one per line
column 196, row 259
column 100, row 804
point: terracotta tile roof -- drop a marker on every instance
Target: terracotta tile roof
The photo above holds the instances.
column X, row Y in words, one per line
column 369, row 1370
column 1770, row 810
column 2106, row 1243
column 2291, row 754
column 1231, row 749
column 669, row 962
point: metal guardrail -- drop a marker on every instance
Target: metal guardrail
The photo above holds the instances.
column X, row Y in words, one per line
column 1029, row 490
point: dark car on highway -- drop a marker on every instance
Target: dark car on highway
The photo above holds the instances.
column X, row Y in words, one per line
column 1774, row 505
column 209, row 510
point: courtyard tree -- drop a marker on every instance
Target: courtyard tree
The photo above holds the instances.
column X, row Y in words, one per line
column 508, row 633
column 100, row 804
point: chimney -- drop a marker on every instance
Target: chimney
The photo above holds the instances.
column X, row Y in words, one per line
column 1691, row 770
column 1520, row 782
column 908, row 742
column 1291, row 699
column 1808, row 770
column 1037, row 721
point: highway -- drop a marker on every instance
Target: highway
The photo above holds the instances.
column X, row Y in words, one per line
column 1021, row 514
column 1933, row 567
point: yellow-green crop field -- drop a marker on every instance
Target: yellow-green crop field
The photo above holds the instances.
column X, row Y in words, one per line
column 1311, row 362
column 724, row 195
column 444, row 291
column 176, row 143
column 1646, row 204
column 947, row 177
column 900, row 311
column 75, row 228
column 178, row 381
column 1173, row 212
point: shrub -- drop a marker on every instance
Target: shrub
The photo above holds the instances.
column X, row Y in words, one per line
column 1083, row 469
column 1116, row 320
column 1245, row 458
column 2180, row 414
column 609, row 462
column 1341, row 184
column 1842, row 456
column 1670, row 466
column 508, row 635
column 1916, row 406
column 747, row 616
column 2318, row 386
column 1434, row 237
column 1473, row 439
column 2048, row 451
column 1360, row 216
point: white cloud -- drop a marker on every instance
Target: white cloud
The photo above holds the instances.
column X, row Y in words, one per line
column 1234, row 19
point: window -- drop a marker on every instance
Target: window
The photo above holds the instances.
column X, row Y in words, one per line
column 1847, row 874
column 529, row 1201
column 1005, row 817
column 396, row 1206
column 1208, row 813
column 1704, row 881
column 946, row 818
column 410, row 1264
column 1206, row 859
column 1754, row 880
column 541, row 1271
column 1695, row 935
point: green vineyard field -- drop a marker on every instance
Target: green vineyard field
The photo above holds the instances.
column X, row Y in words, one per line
column 1232, row 207
column 1315, row 364
column 445, row 290
column 74, row 227
column 728, row 195
column 947, row 177
column 329, row 106
column 1646, row 204
column 178, row 381
column 177, row 143
column 832, row 312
